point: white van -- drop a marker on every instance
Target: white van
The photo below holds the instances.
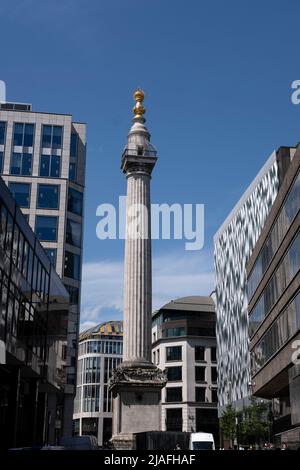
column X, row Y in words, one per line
column 202, row 441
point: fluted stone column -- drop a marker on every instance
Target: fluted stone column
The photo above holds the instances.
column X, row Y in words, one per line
column 136, row 384
column 138, row 282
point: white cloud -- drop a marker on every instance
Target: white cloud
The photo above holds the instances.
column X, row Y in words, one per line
column 174, row 275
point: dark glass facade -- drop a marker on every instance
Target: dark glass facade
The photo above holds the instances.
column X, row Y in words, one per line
column 286, row 271
column 281, row 331
column 274, row 309
column 31, row 329
column 287, row 214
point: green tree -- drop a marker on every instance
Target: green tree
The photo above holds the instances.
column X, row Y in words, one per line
column 255, row 424
column 228, row 423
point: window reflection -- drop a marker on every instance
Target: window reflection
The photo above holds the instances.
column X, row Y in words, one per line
column 285, row 217
column 287, row 269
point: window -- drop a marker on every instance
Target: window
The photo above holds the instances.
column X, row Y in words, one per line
column 72, row 265
column 140, row 150
column 23, row 135
column 199, row 331
column 285, row 327
column 51, row 253
column 2, row 132
column 50, row 166
column 73, row 233
column 174, row 419
column 213, row 354
column 214, row 395
column 199, row 353
column 173, row 394
column 48, row 196
column 287, row 214
column 72, row 171
column 75, row 201
column 74, row 144
column 200, row 394
column 52, row 137
column 21, row 193
column 46, row 228
column 173, row 353
column 169, row 332
column 2, row 142
column 21, row 164
column 286, row 270
column 199, row 374
column 174, row 373
column 73, row 293
column 214, row 375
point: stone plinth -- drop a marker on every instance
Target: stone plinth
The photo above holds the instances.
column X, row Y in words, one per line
column 124, row 441
column 136, row 401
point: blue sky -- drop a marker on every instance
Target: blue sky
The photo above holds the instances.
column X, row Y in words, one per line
column 217, row 77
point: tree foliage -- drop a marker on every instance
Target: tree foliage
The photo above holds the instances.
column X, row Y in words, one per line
column 250, row 426
column 228, row 422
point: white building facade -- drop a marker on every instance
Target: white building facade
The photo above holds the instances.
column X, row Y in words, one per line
column 184, row 345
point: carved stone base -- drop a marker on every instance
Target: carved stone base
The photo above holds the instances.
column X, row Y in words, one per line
column 136, row 399
column 124, row 441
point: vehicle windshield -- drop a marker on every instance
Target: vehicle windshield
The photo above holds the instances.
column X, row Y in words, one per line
column 202, row 445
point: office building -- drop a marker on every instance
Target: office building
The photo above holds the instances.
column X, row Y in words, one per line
column 233, row 245
column 100, row 352
column 273, row 287
column 33, row 330
column 184, row 344
column 42, row 160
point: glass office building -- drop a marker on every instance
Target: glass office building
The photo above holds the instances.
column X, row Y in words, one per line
column 100, row 352
column 42, row 161
column 273, row 287
column 34, row 308
column 184, row 344
column 233, row 245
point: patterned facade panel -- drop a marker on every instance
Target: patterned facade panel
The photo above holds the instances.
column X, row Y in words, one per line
column 233, row 246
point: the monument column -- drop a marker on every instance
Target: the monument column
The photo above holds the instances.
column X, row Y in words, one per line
column 137, row 383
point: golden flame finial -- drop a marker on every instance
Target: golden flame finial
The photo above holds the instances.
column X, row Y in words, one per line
column 139, row 109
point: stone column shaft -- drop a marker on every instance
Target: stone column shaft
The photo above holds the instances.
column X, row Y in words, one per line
column 138, row 285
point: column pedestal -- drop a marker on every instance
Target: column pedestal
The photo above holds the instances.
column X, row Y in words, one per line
column 136, row 402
